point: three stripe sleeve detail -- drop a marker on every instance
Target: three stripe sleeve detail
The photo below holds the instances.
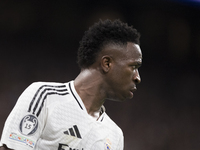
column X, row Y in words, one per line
column 40, row 96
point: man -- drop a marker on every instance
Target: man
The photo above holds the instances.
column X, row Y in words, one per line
column 71, row 116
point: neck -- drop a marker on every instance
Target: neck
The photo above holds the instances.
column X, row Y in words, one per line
column 88, row 85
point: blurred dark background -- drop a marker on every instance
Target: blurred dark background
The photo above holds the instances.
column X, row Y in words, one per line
column 39, row 42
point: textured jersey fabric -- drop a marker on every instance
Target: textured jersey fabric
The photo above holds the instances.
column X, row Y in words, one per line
column 52, row 116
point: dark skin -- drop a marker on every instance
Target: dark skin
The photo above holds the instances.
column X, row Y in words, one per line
column 103, row 80
column 113, row 76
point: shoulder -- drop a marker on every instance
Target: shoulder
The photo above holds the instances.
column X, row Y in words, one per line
column 112, row 125
column 46, row 84
column 40, row 95
column 41, row 86
column 38, row 91
column 44, row 89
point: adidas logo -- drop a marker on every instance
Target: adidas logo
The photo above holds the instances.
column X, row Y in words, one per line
column 73, row 132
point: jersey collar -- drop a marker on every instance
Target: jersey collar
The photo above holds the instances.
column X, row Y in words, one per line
column 80, row 102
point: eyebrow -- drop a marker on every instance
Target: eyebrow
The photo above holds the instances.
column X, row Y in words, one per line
column 138, row 64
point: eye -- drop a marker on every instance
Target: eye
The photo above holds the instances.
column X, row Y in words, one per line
column 134, row 67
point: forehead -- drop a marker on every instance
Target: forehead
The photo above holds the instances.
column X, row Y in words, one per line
column 130, row 51
column 133, row 48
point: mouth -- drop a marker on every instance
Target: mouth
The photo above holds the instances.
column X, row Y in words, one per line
column 132, row 91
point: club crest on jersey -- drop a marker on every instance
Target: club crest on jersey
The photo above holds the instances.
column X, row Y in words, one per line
column 28, row 125
column 107, row 144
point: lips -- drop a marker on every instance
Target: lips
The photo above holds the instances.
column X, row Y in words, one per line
column 133, row 89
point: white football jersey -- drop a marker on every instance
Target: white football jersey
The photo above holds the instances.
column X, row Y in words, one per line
column 52, row 116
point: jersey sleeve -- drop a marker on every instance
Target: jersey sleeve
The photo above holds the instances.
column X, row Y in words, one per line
column 26, row 121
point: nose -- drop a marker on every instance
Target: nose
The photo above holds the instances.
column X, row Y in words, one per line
column 136, row 76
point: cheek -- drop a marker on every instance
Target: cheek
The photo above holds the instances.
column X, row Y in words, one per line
column 124, row 76
column 120, row 75
column 116, row 77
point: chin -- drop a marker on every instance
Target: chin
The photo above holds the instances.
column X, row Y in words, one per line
column 118, row 99
column 121, row 97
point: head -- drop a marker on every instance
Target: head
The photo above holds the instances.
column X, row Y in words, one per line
column 115, row 46
column 101, row 34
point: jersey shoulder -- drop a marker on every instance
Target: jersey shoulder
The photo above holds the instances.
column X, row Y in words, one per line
column 112, row 125
column 41, row 88
column 35, row 95
column 39, row 84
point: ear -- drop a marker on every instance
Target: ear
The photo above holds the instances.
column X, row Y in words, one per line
column 106, row 63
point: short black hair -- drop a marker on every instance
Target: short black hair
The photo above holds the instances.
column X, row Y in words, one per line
column 101, row 34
